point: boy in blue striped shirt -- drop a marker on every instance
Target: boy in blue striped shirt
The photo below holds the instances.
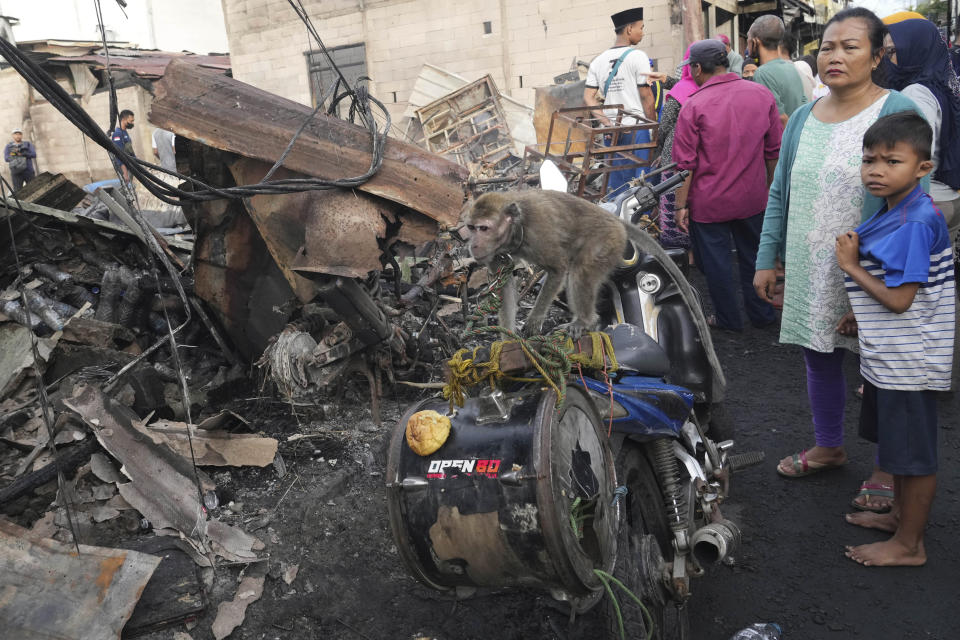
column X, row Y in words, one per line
column 900, row 279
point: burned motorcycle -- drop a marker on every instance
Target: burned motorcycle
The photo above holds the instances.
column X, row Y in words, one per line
column 622, row 480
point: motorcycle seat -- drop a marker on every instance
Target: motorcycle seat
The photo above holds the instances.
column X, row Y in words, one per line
column 637, row 352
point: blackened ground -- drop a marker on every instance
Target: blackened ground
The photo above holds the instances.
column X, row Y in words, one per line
column 330, row 518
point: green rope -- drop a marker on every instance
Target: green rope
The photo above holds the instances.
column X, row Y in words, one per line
column 616, row 604
column 606, row 578
column 577, row 517
column 553, row 356
column 580, row 511
column 490, row 301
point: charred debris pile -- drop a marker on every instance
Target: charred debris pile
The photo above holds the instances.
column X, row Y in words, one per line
column 126, row 380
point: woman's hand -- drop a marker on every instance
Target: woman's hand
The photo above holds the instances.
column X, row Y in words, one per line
column 847, row 251
column 764, row 281
column 847, row 325
column 681, row 216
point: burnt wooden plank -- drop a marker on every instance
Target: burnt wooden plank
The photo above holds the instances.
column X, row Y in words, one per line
column 227, row 114
column 51, row 190
column 175, row 591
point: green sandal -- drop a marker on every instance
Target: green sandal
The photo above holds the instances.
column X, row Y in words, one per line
column 871, row 490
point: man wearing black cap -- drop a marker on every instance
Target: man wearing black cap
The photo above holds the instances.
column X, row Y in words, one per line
column 728, row 137
column 621, row 75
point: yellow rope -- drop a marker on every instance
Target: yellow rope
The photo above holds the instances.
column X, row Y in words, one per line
column 552, row 357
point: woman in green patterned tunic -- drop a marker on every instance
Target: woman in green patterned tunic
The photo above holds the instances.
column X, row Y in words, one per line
column 817, row 195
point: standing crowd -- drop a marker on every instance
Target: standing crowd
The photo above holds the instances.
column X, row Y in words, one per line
column 835, row 179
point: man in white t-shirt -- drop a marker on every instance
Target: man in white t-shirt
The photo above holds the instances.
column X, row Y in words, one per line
column 629, row 86
column 164, row 149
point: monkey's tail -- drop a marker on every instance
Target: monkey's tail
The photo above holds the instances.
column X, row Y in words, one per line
column 645, row 243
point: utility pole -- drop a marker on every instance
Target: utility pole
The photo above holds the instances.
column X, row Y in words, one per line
column 949, row 22
column 152, row 25
column 692, row 21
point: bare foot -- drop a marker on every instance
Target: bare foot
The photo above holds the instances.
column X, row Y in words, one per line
column 890, row 553
column 868, row 520
column 818, row 458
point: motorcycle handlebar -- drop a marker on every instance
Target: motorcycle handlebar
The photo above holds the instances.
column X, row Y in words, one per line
column 670, row 183
column 655, row 191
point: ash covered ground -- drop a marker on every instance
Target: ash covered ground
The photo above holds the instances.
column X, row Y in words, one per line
column 332, row 570
column 330, row 519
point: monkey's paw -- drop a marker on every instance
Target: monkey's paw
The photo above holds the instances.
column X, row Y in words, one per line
column 573, row 329
column 530, row 329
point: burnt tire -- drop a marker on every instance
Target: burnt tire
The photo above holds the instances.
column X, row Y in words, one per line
column 644, row 542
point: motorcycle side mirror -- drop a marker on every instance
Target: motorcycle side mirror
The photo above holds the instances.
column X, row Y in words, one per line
column 551, row 178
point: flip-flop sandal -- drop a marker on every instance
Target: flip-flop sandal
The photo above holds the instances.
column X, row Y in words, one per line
column 870, row 490
column 803, row 467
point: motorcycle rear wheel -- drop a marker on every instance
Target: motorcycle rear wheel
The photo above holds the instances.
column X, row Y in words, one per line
column 644, row 539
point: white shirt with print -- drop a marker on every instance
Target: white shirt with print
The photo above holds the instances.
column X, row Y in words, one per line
column 623, row 88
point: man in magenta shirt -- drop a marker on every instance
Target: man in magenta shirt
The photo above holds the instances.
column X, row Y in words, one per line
column 728, row 137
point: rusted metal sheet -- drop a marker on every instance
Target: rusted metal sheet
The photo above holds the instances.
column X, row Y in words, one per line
column 333, row 231
column 147, row 64
column 234, row 272
column 236, row 276
column 48, row 590
column 550, row 99
column 416, row 229
column 163, row 485
column 226, row 114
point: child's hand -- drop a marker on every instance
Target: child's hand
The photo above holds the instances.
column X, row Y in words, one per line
column 847, row 325
column 847, row 250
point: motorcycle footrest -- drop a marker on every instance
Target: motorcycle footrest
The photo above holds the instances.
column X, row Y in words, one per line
column 740, row 461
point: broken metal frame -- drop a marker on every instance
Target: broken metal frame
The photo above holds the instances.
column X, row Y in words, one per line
column 578, row 165
column 468, row 118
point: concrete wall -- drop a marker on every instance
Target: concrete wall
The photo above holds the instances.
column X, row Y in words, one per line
column 14, row 108
column 530, row 42
column 61, row 148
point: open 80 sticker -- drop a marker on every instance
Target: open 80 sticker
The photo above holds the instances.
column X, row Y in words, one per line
column 442, row 469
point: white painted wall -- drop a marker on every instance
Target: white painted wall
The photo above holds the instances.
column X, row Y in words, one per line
column 170, row 25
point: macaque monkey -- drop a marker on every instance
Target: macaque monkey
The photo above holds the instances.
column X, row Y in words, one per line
column 577, row 243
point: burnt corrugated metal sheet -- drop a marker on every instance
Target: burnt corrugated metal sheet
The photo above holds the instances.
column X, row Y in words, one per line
column 145, row 64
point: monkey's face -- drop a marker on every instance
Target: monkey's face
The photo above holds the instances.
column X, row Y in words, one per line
column 486, row 236
column 488, row 229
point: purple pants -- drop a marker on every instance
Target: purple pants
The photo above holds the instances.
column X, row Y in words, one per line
column 827, row 390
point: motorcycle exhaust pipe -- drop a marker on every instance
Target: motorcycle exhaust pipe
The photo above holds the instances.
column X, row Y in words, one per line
column 715, row 541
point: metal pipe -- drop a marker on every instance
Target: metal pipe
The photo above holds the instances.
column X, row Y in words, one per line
column 716, row 541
